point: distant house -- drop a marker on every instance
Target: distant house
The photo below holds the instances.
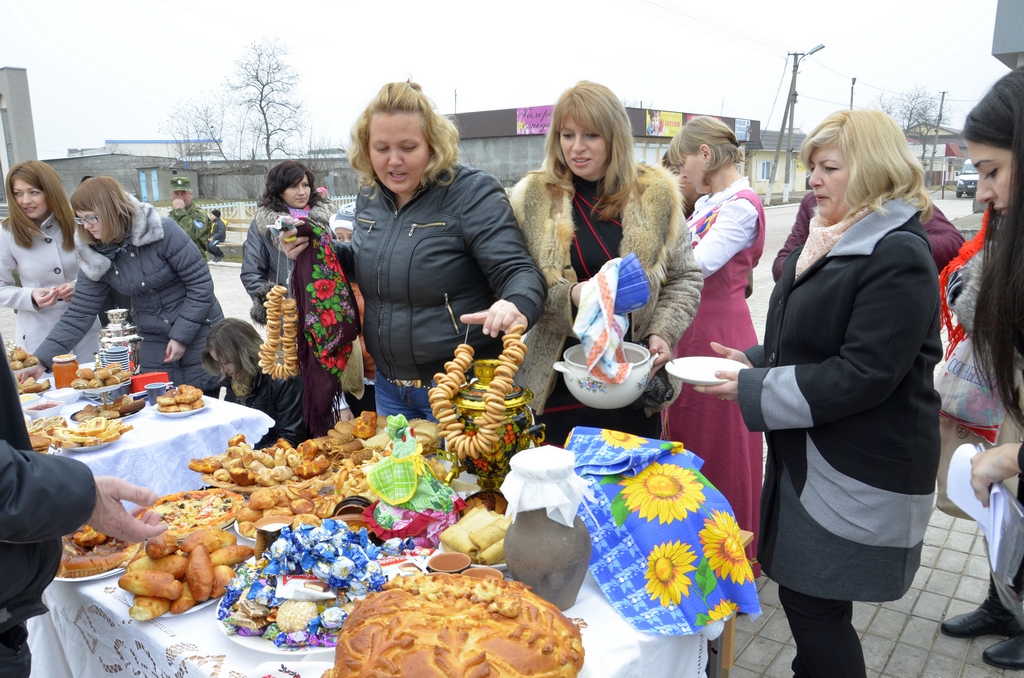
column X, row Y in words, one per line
column 759, row 163
column 950, row 151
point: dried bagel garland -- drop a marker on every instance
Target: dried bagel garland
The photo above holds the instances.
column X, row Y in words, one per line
column 450, row 382
column 282, row 335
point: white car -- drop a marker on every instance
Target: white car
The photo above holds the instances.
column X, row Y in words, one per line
column 967, row 181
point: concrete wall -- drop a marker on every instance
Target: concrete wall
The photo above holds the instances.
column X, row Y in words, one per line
column 17, row 132
column 121, row 167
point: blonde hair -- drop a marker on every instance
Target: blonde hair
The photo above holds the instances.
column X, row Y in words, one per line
column 878, row 160
column 596, row 109
column 40, row 176
column 441, row 135
column 706, row 131
column 107, row 199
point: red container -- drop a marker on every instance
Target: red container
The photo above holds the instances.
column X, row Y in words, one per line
column 139, row 381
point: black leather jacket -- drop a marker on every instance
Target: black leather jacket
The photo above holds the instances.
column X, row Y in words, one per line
column 450, row 250
column 279, row 399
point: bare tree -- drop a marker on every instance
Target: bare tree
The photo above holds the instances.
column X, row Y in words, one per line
column 911, row 108
column 194, row 124
column 264, row 85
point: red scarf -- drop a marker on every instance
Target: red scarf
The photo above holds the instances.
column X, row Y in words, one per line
column 956, row 332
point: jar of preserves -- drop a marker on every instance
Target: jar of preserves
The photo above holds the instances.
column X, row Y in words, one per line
column 64, row 368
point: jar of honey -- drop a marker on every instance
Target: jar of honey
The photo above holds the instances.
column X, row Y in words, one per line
column 64, row 369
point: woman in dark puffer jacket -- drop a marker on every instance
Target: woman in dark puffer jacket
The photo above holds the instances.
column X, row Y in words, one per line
column 126, row 245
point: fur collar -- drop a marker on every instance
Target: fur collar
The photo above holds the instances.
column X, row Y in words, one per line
column 95, row 260
column 648, row 228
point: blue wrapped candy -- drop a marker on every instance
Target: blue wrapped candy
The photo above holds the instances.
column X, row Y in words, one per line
column 333, row 617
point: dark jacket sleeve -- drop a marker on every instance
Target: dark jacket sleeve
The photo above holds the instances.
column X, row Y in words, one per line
column 493, row 237
column 255, row 269
column 88, row 300
column 42, row 496
column 194, row 273
column 798, row 236
column 944, row 238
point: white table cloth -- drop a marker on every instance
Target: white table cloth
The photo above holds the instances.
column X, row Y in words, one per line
column 88, row 634
column 156, row 452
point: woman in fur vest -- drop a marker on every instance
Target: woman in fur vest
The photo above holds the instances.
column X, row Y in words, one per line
column 591, row 202
column 127, row 246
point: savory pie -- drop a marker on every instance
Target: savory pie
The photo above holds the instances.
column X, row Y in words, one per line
column 186, row 512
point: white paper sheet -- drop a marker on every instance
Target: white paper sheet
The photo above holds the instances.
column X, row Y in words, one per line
column 958, row 487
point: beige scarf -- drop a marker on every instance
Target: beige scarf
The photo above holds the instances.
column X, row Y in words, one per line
column 822, row 237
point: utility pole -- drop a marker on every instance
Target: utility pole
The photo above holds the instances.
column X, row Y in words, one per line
column 931, row 163
column 456, row 101
column 787, row 116
column 851, row 92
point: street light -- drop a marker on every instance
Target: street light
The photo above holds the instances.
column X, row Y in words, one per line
column 790, row 104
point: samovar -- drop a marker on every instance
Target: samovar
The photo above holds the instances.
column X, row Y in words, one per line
column 517, row 431
column 120, row 332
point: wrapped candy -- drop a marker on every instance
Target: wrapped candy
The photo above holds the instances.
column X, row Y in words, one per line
column 333, row 617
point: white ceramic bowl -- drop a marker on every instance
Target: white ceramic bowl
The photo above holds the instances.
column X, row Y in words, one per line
column 599, row 395
column 64, row 395
column 42, row 408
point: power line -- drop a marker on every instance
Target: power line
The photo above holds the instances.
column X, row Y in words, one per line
column 782, row 78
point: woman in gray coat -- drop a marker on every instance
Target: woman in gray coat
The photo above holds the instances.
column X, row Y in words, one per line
column 126, row 245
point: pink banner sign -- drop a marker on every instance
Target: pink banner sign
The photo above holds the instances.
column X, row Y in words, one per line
column 533, row 120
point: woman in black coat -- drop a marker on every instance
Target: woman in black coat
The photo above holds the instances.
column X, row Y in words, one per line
column 843, row 389
column 232, row 352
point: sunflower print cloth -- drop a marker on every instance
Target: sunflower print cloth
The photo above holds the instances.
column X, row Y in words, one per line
column 667, row 549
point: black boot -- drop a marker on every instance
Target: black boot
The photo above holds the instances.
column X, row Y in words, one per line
column 989, row 619
column 1008, row 654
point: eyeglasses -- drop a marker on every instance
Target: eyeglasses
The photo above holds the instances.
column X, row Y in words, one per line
column 92, row 220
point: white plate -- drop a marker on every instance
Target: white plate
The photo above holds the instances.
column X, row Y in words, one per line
column 258, row 644
column 197, row 607
column 287, row 669
column 188, row 413
column 92, row 392
column 24, row 370
column 101, row 575
column 76, row 450
column 240, row 535
column 700, row 370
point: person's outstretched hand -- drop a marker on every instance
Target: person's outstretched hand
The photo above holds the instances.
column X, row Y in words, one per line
column 110, row 517
column 500, row 317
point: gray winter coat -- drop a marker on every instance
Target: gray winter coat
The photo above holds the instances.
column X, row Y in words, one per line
column 170, row 287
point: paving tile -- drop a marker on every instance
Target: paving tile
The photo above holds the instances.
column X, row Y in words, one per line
column 931, row 606
column 750, row 624
column 951, row 561
column 939, row 665
column 904, row 604
column 940, row 519
column 935, row 536
column 977, row 566
column 972, row 671
column 954, row 647
column 972, row 590
column 980, row 548
column 921, row 577
column 962, row 524
column 960, row 541
column 877, row 649
column 919, row 632
column 740, row 672
column 942, row 582
column 782, row 667
column 888, row 624
column 863, row 614
column 906, row 661
column 759, row 654
column 776, row 628
column 928, row 555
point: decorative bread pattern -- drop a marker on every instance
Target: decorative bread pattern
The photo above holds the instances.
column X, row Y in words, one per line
column 449, row 625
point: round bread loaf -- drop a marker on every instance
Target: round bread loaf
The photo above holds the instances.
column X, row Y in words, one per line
column 443, row 625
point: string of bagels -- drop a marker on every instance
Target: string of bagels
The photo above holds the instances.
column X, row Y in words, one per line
column 279, row 354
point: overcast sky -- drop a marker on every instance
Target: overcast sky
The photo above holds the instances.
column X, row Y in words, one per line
column 113, row 69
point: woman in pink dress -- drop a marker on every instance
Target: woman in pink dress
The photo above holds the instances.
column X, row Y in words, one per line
column 727, row 232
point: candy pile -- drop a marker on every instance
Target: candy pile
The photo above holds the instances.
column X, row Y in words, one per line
column 300, row 592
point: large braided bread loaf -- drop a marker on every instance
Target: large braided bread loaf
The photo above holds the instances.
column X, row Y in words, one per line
column 449, row 625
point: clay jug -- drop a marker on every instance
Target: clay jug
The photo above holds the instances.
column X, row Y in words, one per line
column 547, row 546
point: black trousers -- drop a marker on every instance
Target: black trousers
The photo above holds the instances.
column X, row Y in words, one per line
column 212, row 248
column 827, row 645
column 15, row 659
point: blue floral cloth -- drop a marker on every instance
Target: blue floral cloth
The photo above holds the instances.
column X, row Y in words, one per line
column 667, row 549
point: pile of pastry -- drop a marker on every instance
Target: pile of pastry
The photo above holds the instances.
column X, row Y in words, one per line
column 30, row 385
column 180, row 399
column 107, row 375
column 480, row 534
column 121, row 407
column 88, row 434
column 247, row 467
column 300, row 505
column 19, row 358
column 173, row 577
column 87, row 553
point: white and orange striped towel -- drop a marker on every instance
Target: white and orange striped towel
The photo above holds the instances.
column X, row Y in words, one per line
column 600, row 331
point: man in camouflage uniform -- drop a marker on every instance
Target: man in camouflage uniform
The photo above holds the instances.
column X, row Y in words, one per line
column 192, row 218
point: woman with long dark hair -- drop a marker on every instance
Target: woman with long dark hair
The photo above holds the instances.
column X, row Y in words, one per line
column 990, row 307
